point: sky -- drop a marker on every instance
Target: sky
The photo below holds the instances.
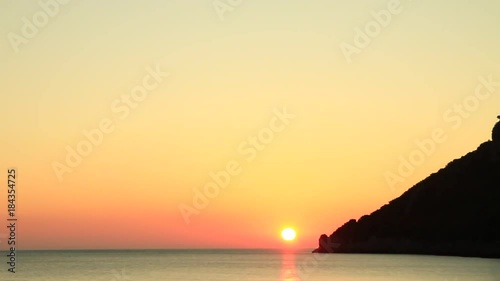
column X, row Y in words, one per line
column 216, row 124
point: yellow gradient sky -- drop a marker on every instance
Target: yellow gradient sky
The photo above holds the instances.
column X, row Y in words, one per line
column 353, row 121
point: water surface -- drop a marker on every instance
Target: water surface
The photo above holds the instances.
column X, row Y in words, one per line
column 242, row 265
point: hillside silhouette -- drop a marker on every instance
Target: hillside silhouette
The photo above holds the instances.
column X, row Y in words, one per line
column 455, row 211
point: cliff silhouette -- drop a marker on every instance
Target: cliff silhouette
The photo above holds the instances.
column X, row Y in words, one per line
column 455, row 211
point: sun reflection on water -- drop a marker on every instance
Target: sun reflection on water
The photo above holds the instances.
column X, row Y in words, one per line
column 288, row 267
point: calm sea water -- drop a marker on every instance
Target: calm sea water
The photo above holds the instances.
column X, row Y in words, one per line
column 242, row 265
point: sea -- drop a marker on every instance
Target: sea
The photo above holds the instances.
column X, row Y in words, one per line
column 241, row 265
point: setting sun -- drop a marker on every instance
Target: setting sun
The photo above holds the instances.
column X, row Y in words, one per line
column 288, row 234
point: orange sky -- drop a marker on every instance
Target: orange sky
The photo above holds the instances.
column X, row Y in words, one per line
column 103, row 66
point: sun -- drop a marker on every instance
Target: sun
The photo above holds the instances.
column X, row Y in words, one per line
column 288, row 234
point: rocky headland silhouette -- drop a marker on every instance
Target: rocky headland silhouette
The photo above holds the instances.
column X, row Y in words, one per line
column 455, row 211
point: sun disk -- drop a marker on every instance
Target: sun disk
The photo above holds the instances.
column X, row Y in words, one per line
column 288, row 234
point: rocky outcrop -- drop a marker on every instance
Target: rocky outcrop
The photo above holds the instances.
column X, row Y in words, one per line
column 455, row 211
column 495, row 134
